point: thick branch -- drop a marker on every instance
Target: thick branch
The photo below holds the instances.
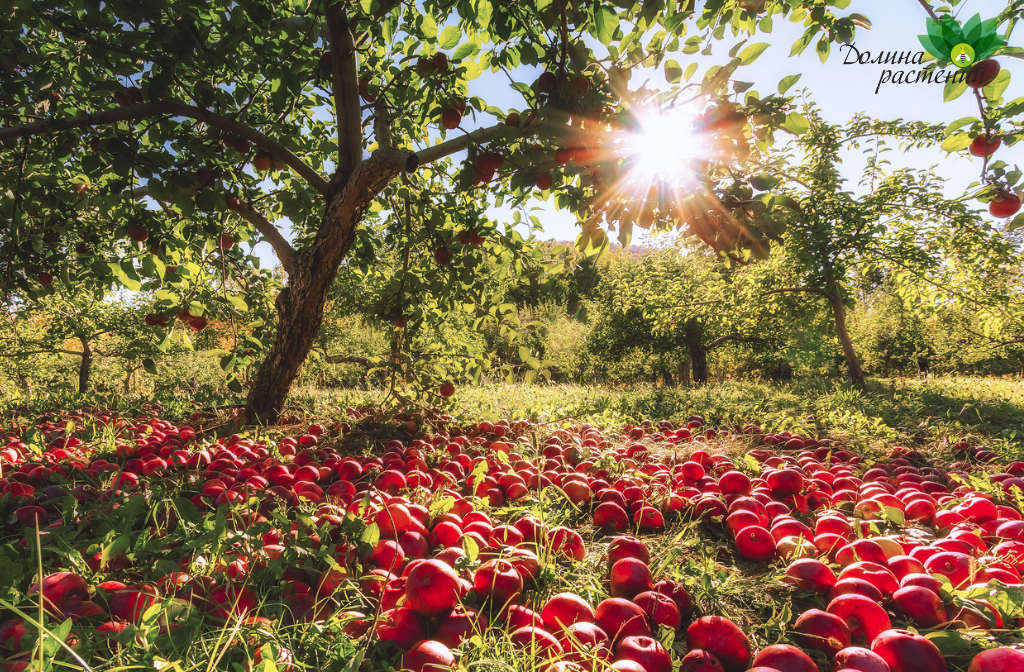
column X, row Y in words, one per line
column 346, row 92
column 285, row 252
column 349, row 359
column 174, row 109
column 735, row 338
column 346, row 207
column 382, row 124
column 449, row 147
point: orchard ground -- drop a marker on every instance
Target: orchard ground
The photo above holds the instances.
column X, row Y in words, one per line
column 122, row 539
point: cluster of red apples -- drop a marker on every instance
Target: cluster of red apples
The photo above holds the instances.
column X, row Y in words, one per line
column 447, row 562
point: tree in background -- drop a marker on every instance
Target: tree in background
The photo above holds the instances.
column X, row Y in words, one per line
column 84, row 326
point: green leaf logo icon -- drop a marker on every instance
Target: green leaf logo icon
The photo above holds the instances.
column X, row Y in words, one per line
column 947, row 40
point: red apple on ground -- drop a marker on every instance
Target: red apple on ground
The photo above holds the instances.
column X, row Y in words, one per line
column 432, row 588
column 427, row 656
column 864, row 616
column 723, row 639
column 629, row 578
column 905, row 651
column 784, row 658
column 621, row 618
column 820, row 630
column 1000, row 659
column 646, row 651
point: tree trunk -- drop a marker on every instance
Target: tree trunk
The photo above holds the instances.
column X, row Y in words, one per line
column 698, row 362
column 27, row 383
column 849, row 354
column 698, row 353
column 85, row 368
column 684, row 374
column 128, row 380
column 300, row 305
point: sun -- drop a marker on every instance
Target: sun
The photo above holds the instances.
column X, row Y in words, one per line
column 664, row 146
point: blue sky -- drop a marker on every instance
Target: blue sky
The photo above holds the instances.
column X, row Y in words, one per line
column 838, row 90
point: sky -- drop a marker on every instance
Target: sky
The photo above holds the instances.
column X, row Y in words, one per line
column 838, row 90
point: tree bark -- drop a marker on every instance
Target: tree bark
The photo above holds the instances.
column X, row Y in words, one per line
column 300, row 305
column 849, row 353
column 85, row 368
column 684, row 374
column 698, row 353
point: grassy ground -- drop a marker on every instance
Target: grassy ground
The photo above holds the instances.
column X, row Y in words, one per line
column 905, row 411
column 925, row 414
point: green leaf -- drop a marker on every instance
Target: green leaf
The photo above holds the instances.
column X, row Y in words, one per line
column 796, row 123
column 115, row 548
column 787, row 82
column 606, row 22
column 750, row 54
column 763, row 182
column 427, row 25
column 1016, row 223
column 823, row 48
column 466, row 50
column 450, row 37
column 238, row 302
column 949, row 643
column 126, row 275
column 370, row 534
column 953, row 89
column 956, row 142
column 690, row 69
column 785, row 202
column 471, row 548
column 149, row 366
column 894, row 515
column 673, row 72
column 960, row 123
column 996, row 87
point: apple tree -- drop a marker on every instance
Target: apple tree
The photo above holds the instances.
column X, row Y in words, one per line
column 143, row 145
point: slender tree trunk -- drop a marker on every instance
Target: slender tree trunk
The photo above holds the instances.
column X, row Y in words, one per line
column 684, row 374
column 128, row 380
column 849, row 353
column 26, row 382
column 85, row 368
column 698, row 361
column 694, row 335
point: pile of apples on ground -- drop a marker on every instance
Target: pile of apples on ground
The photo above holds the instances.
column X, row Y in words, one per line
column 444, row 567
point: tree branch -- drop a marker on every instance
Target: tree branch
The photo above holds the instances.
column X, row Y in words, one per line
column 995, row 342
column 449, row 147
column 349, row 359
column 809, row 290
column 345, row 73
column 736, row 338
column 928, row 8
column 285, row 252
column 382, row 124
column 174, row 109
column 43, row 352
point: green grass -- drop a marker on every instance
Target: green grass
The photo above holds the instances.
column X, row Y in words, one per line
column 903, row 411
